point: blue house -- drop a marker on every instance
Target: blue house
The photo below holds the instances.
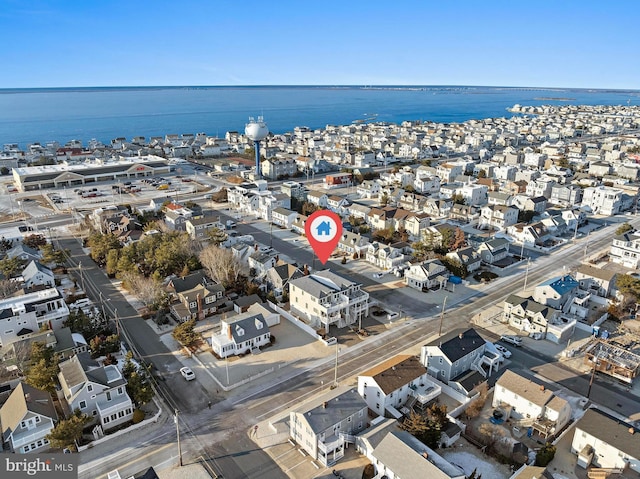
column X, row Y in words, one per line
column 324, row 228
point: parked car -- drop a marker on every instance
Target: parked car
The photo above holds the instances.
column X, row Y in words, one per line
column 378, row 275
column 504, row 351
column 513, row 340
column 392, row 316
column 187, row 373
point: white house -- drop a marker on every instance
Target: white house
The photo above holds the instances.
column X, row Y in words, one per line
column 23, row 315
column 325, row 299
column 240, row 334
column 603, row 200
column 35, row 274
column 625, row 249
column 498, row 216
column 531, row 404
column 606, row 441
column 399, row 381
column 430, row 274
column 26, row 418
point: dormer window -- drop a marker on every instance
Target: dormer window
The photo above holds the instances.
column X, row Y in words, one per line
column 89, row 387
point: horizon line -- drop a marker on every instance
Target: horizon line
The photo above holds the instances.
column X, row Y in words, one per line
column 357, row 85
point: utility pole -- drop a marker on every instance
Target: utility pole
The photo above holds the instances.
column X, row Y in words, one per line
column 335, row 372
column 593, row 373
column 526, row 275
column 442, row 316
column 176, row 420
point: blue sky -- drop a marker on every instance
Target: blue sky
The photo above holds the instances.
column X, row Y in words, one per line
column 136, row 43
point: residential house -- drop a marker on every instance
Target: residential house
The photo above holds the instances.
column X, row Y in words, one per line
column 462, row 213
column 21, row 316
column 368, row 189
column 324, row 429
column 26, row 418
column 176, row 216
column 534, row 234
column 427, row 275
column 426, row 184
column 351, row 243
column 294, row 189
column 195, row 296
column 566, row 195
column 498, row 198
column 438, row 208
column 498, row 216
column 387, row 257
column 603, row 200
column 399, row 381
column 324, row 299
column 526, row 314
column 467, row 257
column 598, row 281
column 494, row 250
column 531, row 404
column 400, row 455
column 279, row 276
column 241, row 334
column 24, row 252
column 98, row 391
column 199, row 228
column 605, row 441
column 556, row 292
column 447, row 172
column 381, row 218
column 625, row 249
column 283, row 217
column 298, row 224
column 600, row 169
column 276, row 169
column 318, row 198
column 35, row 275
column 416, row 224
column 261, row 261
column 460, row 359
column 337, row 204
column 474, row 194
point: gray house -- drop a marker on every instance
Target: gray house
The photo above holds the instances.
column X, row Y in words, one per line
column 35, row 274
column 324, row 428
column 98, row 391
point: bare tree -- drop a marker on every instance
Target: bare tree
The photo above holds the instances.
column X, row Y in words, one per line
column 8, row 287
column 491, row 435
column 147, row 290
column 220, row 264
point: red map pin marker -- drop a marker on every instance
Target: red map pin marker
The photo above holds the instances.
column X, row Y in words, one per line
column 323, row 229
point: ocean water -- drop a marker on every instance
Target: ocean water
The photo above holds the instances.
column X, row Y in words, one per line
column 63, row 114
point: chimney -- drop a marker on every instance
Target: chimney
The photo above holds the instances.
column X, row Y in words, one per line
column 199, row 300
column 27, row 397
column 632, row 431
column 460, row 336
column 324, row 405
column 425, row 454
column 229, row 335
column 541, row 387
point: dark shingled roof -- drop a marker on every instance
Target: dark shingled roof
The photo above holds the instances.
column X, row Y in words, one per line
column 611, row 430
column 396, row 372
column 456, row 344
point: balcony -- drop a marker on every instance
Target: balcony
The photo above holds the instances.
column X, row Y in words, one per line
column 39, row 432
column 425, row 392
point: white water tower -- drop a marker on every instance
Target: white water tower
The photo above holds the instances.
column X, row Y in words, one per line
column 256, row 131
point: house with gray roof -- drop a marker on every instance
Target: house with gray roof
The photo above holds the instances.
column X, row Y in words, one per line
column 401, row 455
column 36, row 275
column 468, row 257
column 278, row 278
column 427, row 275
column 625, row 249
column 605, row 441
column 598, row 281
column 494, row 250
column 241, row 334
column 452, row 356
column 325, row 298
column 26, row 419
column 24, row 252
column 324, row 427
column 98, row 391
column 195, row 296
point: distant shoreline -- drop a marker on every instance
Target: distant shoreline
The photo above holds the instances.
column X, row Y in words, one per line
column 553, row 98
